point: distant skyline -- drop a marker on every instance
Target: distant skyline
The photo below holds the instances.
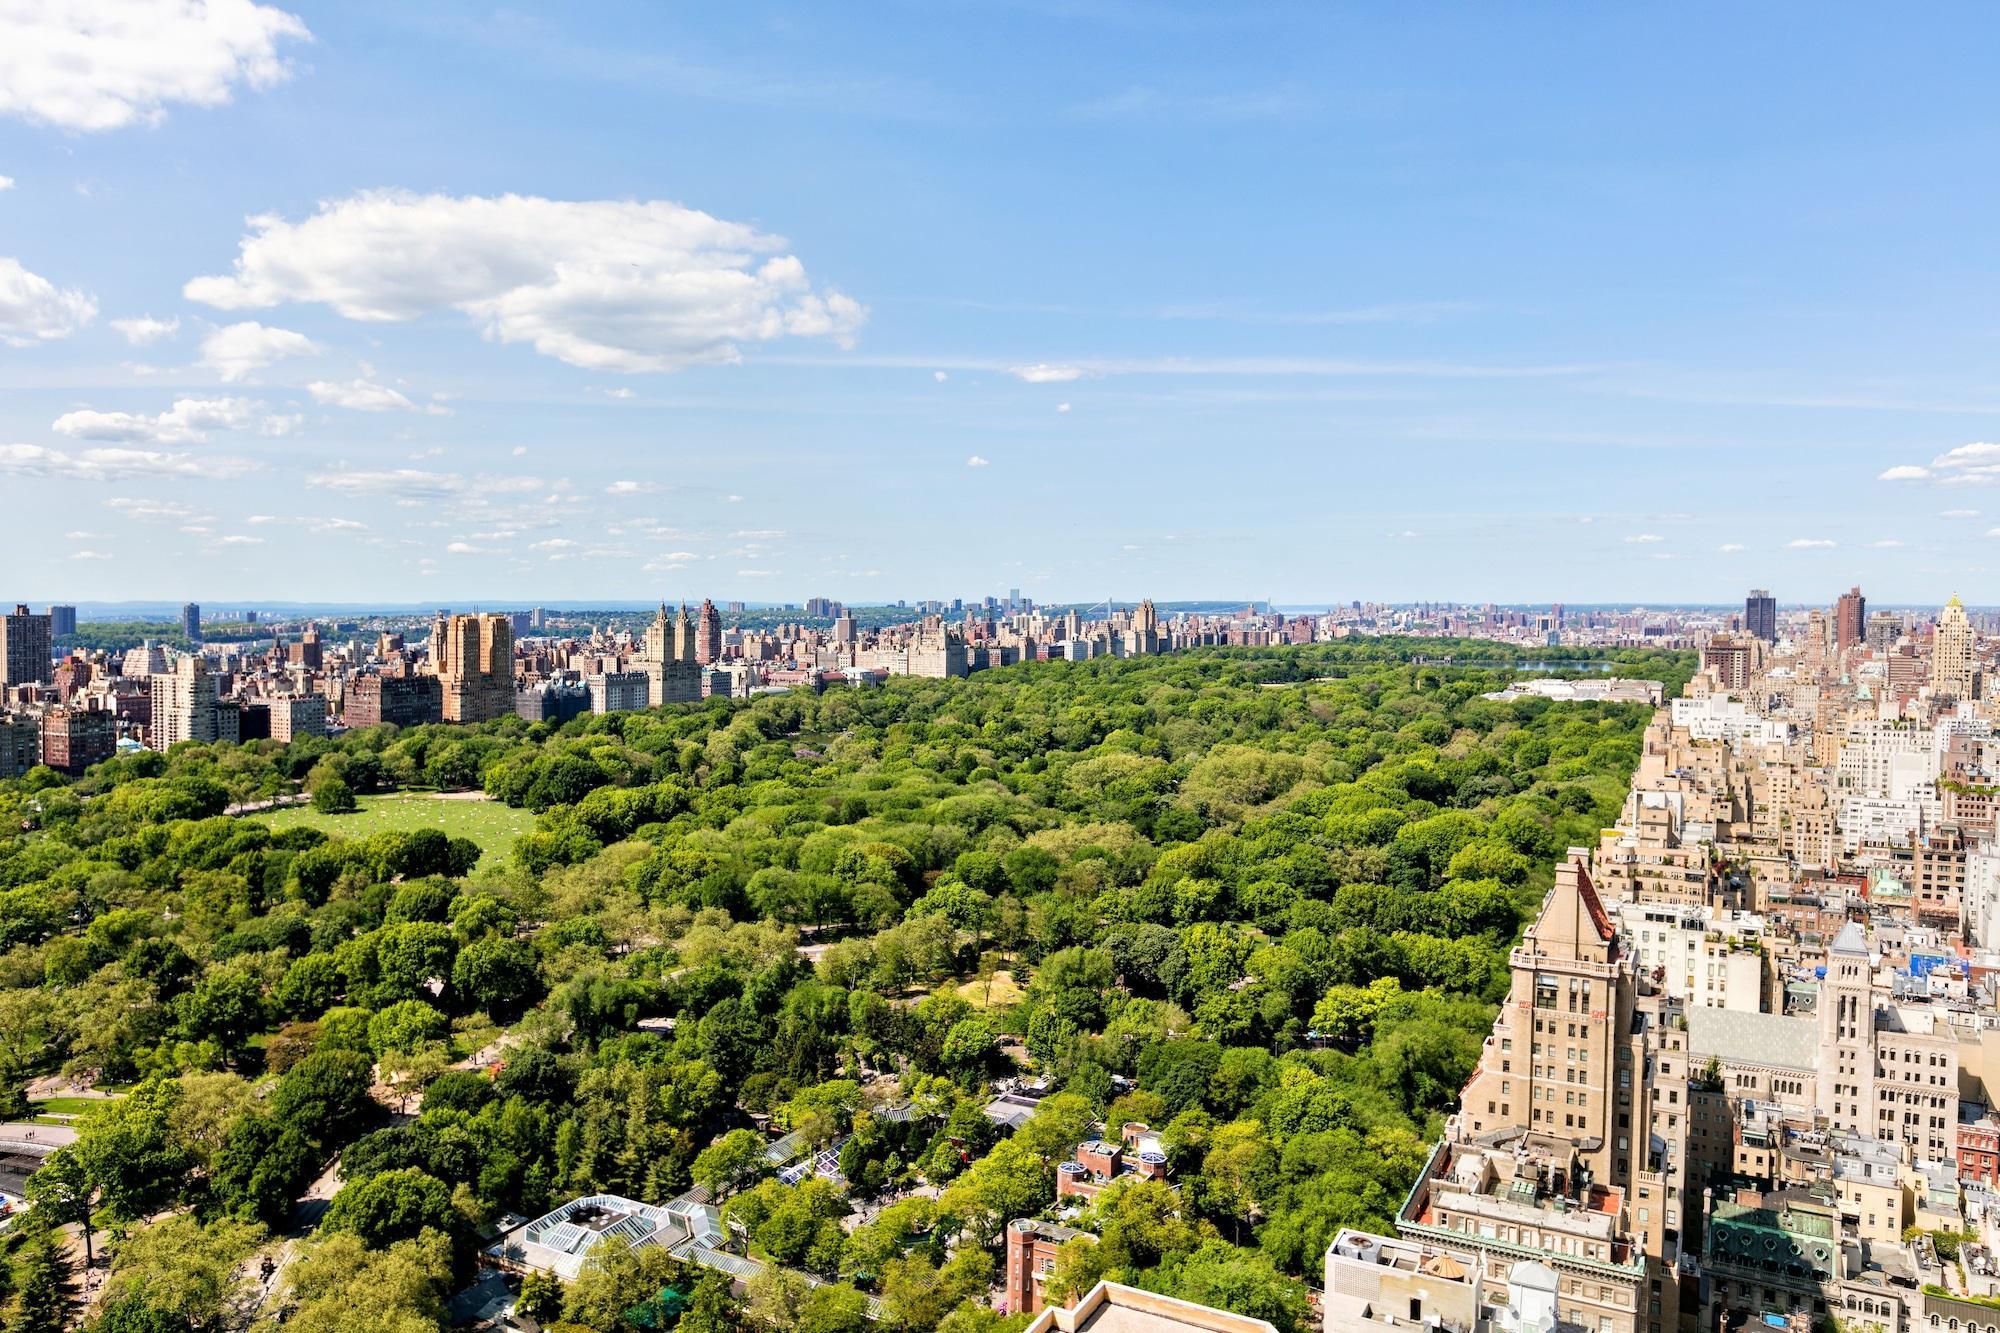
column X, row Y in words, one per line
column 322, row 302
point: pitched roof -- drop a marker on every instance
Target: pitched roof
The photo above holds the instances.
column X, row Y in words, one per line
column 1851, row 939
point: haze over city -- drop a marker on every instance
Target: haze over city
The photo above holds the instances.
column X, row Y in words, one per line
column 373, row 302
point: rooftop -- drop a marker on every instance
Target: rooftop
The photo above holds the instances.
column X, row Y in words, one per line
column 1739, row 1037
column 1111, row 1307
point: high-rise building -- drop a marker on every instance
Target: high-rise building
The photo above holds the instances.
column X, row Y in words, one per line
column 401, row 701
column 1850, row 619
column 473, row 656
column 669, row 662
column 1733, row 660
column 1556, row 1138
column 27, row 649
column 618, row 691
column 20, row 744
column 294, row 717
column 1951, row 652
column 185, row 706
column 75, row 738
column 1760, row 615
column 708, row 634
column 191, row 622
column 62, row 621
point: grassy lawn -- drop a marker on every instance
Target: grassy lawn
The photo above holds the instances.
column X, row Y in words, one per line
column 491, row 824
column 1006, row 991
column 66, row 1105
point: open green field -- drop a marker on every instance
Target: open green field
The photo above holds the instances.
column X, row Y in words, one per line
column 491, row 824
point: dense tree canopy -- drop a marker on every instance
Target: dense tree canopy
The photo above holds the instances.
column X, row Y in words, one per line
column 1259, row 899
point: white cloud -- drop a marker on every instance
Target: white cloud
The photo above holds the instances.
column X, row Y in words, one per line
column 6, row 182
column 235, row 350
column 939, row 376
column 237, row 540
column 758, row 573
column 188, row 421
column 143, row 330
column 90, row 555
column 1044, row 373
column 1645, row 538
column 631, row 488
column 364, row 396
column 1730, row 548
column 102, row 64
column 605, row 285
column 1886, row 544
column 520, row 451
column 1905, row 472
column 415, row 488
column 620, row 393
column 32, row 460
column 554, row 544
column 1062, row 407
column 1959, row 513
column 976, row 461
column 759, row 535
column 733, row 499
column 1809, row 544
column 145, row 508
column 668, row 563
column 33, row 309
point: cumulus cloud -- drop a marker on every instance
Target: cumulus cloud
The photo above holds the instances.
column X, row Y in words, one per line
column 143, row 330
column 605, row 285
column 33, row 309
column 33, row 460
column 1886, row 544
column 6, row 182
column 1809, row 544
column 90, row 555
column 1730, row 548
column 976, row 461
column 103, row 64
column 1645, row 538
column 188, row 421
column 631, row 488
column 1975, row 464
column 1044, row 373
column 939, row 376
column 365, row 396
column 234, row 351
column 239, row 540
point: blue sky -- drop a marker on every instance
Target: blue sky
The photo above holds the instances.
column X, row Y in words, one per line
column 899, row 300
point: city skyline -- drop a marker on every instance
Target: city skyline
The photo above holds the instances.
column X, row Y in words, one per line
column 1121, row 295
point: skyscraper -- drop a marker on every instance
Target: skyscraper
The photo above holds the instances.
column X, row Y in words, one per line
column 673, row 676
column 191, row 622
column 473, row 656
column 185, row 705
column 1850, row 619
column 27, row 649
column 62, row 620
column 708, row 634
column 1760, row 615
column 1951, row 652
